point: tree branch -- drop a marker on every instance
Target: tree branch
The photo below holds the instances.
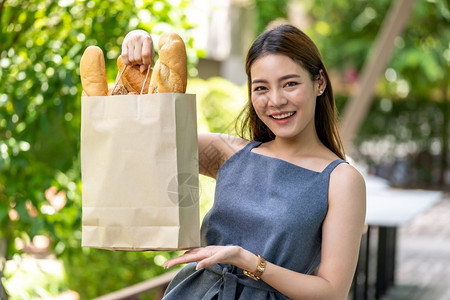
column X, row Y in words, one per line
column 3, row 247
column 2, row 4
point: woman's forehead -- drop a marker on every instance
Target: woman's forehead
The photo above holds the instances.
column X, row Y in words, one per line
column 275, row 65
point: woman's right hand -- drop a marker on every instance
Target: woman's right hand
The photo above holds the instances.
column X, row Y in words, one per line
column 137, row 49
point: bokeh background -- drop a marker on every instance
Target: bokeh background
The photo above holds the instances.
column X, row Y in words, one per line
column 404, row 137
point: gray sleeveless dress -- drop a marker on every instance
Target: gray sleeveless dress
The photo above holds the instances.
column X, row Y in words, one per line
column 267, row 206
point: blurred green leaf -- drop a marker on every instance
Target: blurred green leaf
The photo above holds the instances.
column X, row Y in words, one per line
column 41, row 43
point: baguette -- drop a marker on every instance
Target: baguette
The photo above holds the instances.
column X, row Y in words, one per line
column 93, row 73
column 170, row 71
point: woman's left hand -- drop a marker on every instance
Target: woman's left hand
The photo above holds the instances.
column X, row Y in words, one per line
column 210, row 255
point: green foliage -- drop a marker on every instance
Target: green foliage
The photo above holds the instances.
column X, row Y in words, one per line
column 30, row 280
column 411, row 104
column 41, row 43
column 219, row 102
column 97, row 272
column 269, row 10
column 401, row 141
column 420, row 54
column 345, row 33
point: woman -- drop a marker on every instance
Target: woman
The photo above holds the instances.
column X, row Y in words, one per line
column 286, row 195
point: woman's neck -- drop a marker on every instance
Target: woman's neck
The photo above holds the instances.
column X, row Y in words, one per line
column 301, row 146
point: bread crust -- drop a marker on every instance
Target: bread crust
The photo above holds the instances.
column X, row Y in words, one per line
column 132, row 78
column 119, row 90
column 170, row 71
column 93, row 72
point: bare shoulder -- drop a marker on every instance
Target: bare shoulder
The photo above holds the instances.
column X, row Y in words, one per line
column 214, row 149
column 347, row 175
column 348, row 183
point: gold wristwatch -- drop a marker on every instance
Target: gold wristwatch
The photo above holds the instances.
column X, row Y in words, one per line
column 259, row 269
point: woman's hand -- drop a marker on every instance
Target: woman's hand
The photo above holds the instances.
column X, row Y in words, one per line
column 208, row 256
column 137, row 49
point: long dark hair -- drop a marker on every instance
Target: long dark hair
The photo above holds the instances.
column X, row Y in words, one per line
column 292, row 42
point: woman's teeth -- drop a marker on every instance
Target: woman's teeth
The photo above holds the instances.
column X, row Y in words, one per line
column 286, row 115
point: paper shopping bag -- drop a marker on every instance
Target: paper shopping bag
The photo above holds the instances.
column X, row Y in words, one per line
column 139, row 164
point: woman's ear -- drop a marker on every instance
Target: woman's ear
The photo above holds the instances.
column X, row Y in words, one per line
column 322, row 83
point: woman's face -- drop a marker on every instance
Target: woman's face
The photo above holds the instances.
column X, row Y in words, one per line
column 284, row 96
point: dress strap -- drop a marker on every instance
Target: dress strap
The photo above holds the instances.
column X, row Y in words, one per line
column 332, row 165
column 250, row 146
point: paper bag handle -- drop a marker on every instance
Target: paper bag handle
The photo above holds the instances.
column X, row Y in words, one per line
column 120, row 76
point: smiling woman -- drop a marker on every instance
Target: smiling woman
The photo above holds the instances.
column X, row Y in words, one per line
column 284, row 103
column 296, row 47
column 288, row 212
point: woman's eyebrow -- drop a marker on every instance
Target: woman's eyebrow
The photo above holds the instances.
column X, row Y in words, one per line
column 285, row 77
column 289, row 76
column 259, row 81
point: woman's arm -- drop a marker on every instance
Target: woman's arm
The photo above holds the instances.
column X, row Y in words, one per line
column 214, row 149
column 341, row 234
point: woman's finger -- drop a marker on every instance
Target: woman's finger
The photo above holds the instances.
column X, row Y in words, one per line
column 137, row 55
column 130, row 54
column 124, row 54
column 147, row 51
column 190, row 256
column 178, row 261
column 207, row 262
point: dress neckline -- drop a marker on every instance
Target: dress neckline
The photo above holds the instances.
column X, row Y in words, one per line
column 267, row 157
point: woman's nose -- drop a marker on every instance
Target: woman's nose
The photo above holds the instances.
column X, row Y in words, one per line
column 277, row 98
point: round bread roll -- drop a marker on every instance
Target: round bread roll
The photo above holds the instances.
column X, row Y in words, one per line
column 92, row 72
column 170, row 71
column 132, row 78
column 119, row 90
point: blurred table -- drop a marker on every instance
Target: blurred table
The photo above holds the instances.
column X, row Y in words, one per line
column 387, row 210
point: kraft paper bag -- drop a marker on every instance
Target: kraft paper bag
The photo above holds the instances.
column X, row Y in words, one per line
column 139, row 164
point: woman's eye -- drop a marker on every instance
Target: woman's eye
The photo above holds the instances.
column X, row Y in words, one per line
column 291, row 83
column 259, row 88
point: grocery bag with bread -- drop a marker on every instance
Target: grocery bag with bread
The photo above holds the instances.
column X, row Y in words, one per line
column 139, row 153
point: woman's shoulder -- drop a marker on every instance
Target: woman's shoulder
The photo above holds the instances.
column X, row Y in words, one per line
column 346, row 172
column 347, row 181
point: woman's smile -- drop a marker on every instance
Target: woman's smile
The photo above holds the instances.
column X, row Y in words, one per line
column 282, row 115
column 282, row 118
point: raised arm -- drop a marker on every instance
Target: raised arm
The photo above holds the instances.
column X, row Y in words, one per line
column 214, row 149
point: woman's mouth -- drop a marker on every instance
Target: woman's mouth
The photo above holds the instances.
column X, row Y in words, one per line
column 282, row 116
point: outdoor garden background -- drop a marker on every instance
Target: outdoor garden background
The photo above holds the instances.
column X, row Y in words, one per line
column 404, row 138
